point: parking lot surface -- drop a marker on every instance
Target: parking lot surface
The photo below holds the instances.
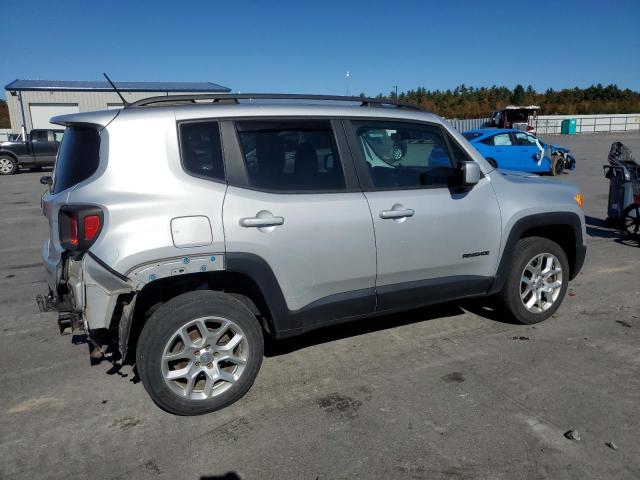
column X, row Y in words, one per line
column 450, row 391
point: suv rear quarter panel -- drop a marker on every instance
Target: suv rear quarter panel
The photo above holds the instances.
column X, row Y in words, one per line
column 142, row 188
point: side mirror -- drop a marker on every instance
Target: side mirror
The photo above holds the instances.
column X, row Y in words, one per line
column 46, row 180
column 470, row 173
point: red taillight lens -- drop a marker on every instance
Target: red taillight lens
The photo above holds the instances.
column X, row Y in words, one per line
column 91, row 226
column 73, row 229
column 80, row 226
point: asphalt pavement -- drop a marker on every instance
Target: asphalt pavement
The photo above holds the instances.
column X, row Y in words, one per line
column 446, row 392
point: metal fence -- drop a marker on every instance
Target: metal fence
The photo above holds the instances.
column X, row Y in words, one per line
column 585, row 124
column 464, row 124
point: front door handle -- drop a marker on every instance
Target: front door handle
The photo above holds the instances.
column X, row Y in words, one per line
column 260, row 222
column 399, row 213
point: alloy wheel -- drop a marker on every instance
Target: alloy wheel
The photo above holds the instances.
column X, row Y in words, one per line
column 204, row 358
column 6, row 166
column 541, row 282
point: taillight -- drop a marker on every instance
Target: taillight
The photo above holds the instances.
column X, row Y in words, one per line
column 79, row 226
column 91, row 226
column 73, row 229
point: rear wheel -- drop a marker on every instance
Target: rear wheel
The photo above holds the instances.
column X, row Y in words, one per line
column 8, row 165
column 199, row 352
column 631, row 220
column 537, row 280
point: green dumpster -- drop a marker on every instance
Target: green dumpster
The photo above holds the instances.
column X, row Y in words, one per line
column 568, row 126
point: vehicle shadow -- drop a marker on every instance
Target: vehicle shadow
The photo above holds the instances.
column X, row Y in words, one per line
column 226, row 476
column 598, row 228
column 482, row 307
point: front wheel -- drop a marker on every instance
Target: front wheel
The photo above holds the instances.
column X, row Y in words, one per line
column 537, row 280
column 8, row 165
column 557, row 165
column 199, row 352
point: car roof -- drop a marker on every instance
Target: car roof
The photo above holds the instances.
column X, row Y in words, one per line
column 248, row 110
column 493, row 131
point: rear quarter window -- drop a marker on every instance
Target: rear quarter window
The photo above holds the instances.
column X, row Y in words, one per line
column 201, row 149
column 78, row 157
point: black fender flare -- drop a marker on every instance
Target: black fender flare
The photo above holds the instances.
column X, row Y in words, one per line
column 284, row 322
column 9, row 153
column 537, row 221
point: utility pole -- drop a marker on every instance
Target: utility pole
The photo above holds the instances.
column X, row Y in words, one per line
column 396, row 87
column 23, row 128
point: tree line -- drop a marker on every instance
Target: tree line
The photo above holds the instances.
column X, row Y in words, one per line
column 470, row 102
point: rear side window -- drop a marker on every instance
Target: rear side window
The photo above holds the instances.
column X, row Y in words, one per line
column 291, row 155
column 201, row 149
column 78, row 157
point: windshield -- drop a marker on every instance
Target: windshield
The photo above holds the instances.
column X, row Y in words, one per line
column 471, row 135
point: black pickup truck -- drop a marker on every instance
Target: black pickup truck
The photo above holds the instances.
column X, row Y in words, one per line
column 39, row 150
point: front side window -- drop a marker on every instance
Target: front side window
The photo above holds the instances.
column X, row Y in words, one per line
column 525, row 140
column 291, row 155
column 39, row 136
column 405, row 155
column 501, row 140
column 201, row 149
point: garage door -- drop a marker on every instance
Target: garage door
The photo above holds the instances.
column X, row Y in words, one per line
column 42, row 112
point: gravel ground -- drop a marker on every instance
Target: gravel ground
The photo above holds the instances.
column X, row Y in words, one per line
column 441, row 392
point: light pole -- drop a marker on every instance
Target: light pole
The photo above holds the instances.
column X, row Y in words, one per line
column 396, row 87
column 346, row 78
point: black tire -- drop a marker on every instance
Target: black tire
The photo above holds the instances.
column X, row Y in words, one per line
column 631, row 220
column 9, row 165
column 170, row 317
column 526, row 250
column 557, row 165
column 492, row 162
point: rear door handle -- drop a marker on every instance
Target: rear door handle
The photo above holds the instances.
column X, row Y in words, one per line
column 400, row 213
column 259, row 222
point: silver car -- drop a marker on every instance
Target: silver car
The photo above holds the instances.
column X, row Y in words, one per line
column 185, row 229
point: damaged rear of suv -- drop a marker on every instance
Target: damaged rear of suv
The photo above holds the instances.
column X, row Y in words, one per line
column 183, row 230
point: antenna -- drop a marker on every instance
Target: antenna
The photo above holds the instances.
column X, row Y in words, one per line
column 125, row 103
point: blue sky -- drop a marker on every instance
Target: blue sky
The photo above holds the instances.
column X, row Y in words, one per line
column 307, row 46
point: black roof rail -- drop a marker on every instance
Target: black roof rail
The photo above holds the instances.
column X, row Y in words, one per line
column 234, row 97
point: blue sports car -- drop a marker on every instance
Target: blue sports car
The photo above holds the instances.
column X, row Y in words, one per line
column 512, row 149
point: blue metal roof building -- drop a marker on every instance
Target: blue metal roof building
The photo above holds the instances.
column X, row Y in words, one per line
column 101, row 86
column 33, row 102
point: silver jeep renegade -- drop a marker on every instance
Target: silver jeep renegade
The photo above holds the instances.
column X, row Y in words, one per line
column 186, row 229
